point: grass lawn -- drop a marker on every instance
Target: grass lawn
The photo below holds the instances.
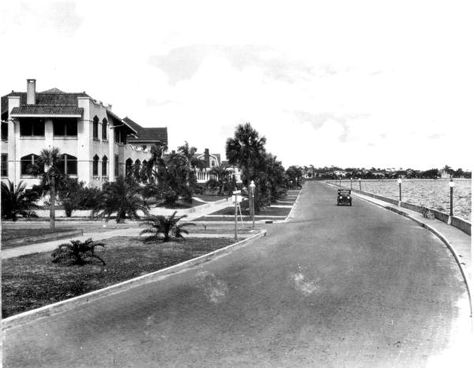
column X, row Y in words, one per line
column 32, row 281
column 209, row 197
column 271, row 211
column 181, row 204
column 30, row 235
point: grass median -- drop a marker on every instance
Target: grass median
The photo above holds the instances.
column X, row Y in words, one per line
column 33, row 281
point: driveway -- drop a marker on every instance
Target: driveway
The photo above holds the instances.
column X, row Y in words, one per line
column 335, row 287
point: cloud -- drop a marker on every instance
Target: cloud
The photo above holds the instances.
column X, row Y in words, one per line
column 64, row 18
column 182, row 63
column 317, row 120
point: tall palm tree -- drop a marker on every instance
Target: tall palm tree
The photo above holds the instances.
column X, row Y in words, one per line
column 188, row 154
column 246, row 151
column 223, row 176
column 48, row 164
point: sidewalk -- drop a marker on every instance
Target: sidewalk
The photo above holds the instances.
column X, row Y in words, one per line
column 460, row 241
column 191, row 213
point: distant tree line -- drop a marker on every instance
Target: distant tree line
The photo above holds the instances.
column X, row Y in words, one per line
column 334, row 172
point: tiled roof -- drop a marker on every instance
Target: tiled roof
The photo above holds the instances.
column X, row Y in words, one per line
column 47, row 110
column 54, row 98
column 147, row 135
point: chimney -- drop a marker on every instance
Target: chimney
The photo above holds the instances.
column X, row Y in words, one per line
column 206, row 157
column 30, row 91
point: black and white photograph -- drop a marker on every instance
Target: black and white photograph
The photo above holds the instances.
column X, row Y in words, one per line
column 220, row 184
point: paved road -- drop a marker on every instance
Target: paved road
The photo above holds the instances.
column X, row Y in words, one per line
column 336, row 287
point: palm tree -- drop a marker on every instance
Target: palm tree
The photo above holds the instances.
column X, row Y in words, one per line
column 48, row 164
column 246, row 151
column 161, row 227
column 77, row 252
column 190, row 162
column 17, row 200
column 223, row 176
column 123, row 198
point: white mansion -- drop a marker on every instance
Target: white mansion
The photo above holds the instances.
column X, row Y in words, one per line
column 96, row 145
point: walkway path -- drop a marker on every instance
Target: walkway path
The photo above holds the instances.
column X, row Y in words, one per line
column 101, row 235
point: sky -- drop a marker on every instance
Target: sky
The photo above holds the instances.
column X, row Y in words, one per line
column 384, row 84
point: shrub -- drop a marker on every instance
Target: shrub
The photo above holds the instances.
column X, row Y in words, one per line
column 121, row 197
column 163, row 228
column 77, row 252
column 17, row 200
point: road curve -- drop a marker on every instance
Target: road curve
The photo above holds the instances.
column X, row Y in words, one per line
column 335, row 287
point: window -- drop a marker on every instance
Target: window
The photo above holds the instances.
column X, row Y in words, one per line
column 116, row 166
column 128, row 167
column 104, row 166
column 4, row 164
column 95, row 166
column 104, row 129
column 68, row 164
column 95, row 128
column 65, row 127
column 4, row 131
column 28, row 164
column 117, row 136
column 32, row 127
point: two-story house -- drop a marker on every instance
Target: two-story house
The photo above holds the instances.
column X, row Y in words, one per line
column 95, row 144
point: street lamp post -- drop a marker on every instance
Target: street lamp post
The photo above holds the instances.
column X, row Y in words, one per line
column 351, row 182
column 235, row 193
column 451, row 192
column 252, row 202
column 360, row 184
column 399, row 191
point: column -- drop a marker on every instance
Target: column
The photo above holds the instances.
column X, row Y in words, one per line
column 84, row 139
column 13, row 142
column 111, row 155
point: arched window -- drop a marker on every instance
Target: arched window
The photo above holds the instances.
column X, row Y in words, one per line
column 137, row 163
column 68, row 164
column 104, row 165
column 128, row 166
column 104, row 129
column 95, row 128
column 28, row 164
column 95, row 166
column 116, row 167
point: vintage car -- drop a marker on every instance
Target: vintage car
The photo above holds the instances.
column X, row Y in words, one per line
column 344, row 197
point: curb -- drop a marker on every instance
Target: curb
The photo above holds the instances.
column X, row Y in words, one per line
column 66, row 305
column 293, row 207
column 439, row 235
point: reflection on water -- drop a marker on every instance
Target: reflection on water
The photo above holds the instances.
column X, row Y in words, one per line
column 423, row 192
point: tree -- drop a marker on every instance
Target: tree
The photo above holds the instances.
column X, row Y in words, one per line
column 123, row 198
column 163, row 228
column 190, row 162
column 246, row 150
column 48, row 164
column 17, row 200
column 295, row 176
column 223, row 178
column 69, row 193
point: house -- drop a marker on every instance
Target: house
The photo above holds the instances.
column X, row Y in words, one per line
column 212, row 160
column 94, row 142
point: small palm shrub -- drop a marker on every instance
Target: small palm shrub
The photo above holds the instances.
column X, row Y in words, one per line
column 123, row 198
column 17, row 201
column 76, row 252
column 163, row 228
